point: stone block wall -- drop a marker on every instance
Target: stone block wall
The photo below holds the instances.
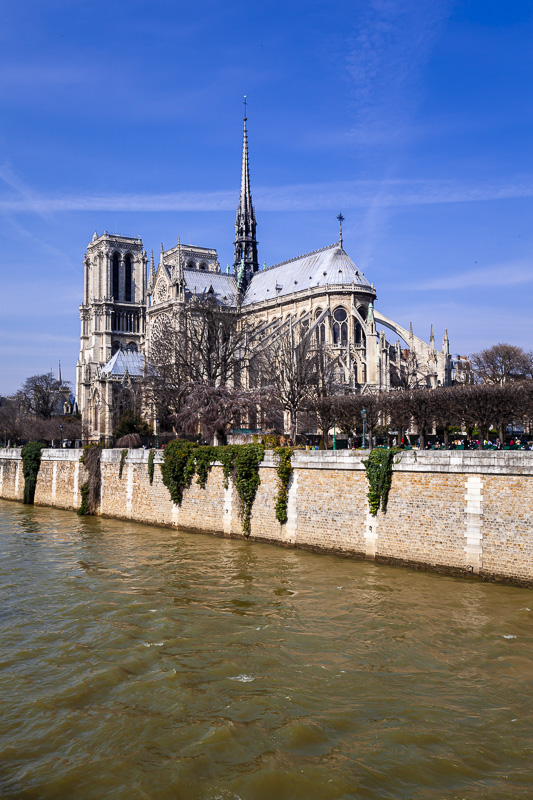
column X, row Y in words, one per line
column 455, row 511
column 11, row 477
column 60, row 479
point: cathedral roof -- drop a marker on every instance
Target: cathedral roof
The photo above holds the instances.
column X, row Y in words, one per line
column 123, row 361
column 199, row 282
column 328, row 266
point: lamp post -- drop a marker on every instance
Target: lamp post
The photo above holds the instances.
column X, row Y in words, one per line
column 363, row 414
column 61, row 435
column 157, row 432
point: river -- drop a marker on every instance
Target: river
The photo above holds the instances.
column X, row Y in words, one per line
column 140, row 662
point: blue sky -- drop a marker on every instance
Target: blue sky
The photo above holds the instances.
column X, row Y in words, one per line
column 413, row 118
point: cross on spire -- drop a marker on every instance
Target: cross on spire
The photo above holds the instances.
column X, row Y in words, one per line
column 244, row 101
column 341, row 220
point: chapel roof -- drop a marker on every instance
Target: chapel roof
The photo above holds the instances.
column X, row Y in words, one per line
column 124, row 360
column 200, row 282
column 328, row 266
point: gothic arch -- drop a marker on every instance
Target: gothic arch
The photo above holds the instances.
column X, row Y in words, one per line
column 115, row 269
column 128, row 277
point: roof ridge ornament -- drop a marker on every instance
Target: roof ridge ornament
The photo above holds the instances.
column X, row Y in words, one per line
column 341, row 220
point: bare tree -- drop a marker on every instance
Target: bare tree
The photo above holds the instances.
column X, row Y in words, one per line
column 288, row 366
column 321, row 402
column 43, row 395
column 211, row 411
column 350, row 413
column 502, row 363
column 196, row 371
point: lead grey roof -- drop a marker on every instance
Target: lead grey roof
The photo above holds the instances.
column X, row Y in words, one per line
column 200, row 282
column 328, row 266
column 123, row 360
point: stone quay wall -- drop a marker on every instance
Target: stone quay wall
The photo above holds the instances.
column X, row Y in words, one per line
column 458, row 512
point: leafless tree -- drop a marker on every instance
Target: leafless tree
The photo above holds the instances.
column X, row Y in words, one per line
column 289, row 368
column 350, row 413
column 43, row 395
column 211, row 411
column 196, row 372
column 502, row 363
column 322, row 400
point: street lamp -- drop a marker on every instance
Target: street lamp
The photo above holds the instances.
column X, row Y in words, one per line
column 157, row 432
column 363, row 414
column 61, row 435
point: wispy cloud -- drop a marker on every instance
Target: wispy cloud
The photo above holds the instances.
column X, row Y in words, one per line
column 508, row 274
column 297, row 197
column 386, row 56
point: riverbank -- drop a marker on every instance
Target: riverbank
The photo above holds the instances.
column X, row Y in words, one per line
column 457, row 512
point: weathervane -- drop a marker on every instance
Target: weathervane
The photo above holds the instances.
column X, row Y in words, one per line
column 244, row 101
column 341, row 220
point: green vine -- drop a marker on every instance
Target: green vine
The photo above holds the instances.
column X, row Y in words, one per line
column 204, row 458
column 90, row 490
column 226, row 456
column 378, row 467
column 183, row 460
column 83, row 510
column 178, row 468
column 151, row 466
column 123, row 456
column 283, row 457
column 246, row 478
column 31, row 462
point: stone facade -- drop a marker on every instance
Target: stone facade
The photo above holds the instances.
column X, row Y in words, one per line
column 454, row 512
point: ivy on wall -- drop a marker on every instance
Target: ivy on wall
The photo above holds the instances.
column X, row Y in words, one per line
column 151, row 466
column 183, row 460
column 90, row 490
column 246, row 478
column 31, row 463
column 283, row 456
column 123, row 456
column 378, row 467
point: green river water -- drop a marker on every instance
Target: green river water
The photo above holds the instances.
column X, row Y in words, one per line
column 138, row 662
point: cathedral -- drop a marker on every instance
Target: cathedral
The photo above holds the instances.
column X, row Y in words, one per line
column 127, row 304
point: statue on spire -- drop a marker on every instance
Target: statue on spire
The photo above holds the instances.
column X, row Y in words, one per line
column 245, row 224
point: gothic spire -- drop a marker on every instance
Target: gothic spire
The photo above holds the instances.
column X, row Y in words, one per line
column 245, row 224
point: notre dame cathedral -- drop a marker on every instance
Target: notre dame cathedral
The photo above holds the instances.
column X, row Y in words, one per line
column 126, row 304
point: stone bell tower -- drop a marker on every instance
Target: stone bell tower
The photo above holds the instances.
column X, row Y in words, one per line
column 113, row 311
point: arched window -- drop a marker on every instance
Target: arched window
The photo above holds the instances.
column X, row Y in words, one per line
column 362, row 311
column 358, row 335
column 203, row 265
column 96, row 412
column 320, row 330
column 114, row 347
column 115, row 276
column 127, row 278
column 340, row 326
